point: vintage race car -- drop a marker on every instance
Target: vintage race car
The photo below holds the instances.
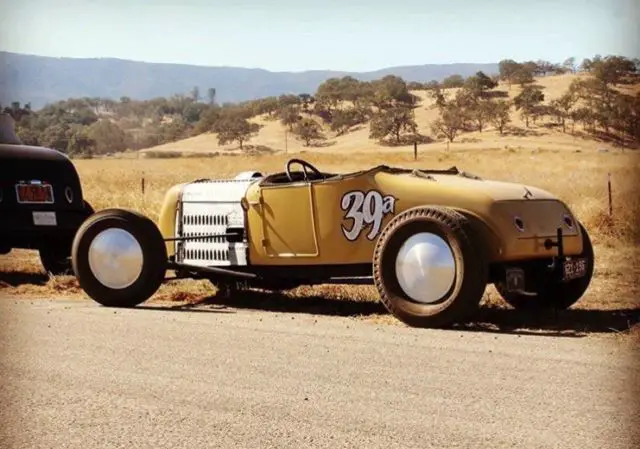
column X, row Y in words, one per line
column 41, row 200
column 429, row 240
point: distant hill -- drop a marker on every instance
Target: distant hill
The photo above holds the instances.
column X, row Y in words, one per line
column 40, row 80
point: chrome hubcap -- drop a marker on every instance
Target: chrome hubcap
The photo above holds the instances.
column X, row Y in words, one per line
column 425, row 267
column 115, row 258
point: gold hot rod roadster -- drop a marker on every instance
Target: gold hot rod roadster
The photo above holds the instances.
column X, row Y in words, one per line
column 429, row 240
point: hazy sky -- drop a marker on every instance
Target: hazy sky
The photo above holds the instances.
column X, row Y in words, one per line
column 324, row 34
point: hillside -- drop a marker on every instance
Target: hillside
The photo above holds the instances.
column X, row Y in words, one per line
column 40, row 80
column 539, row 136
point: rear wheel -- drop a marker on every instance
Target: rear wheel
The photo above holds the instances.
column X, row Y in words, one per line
column 554, row 293
column 427, row 268
column 119, row 257
column 56, row 257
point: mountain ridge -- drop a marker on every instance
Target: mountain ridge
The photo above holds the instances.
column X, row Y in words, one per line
column 45, row 79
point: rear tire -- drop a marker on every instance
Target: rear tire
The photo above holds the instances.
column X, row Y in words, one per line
column 428, row 269
column 556, row 295
column 119, row 257
column 56, row 258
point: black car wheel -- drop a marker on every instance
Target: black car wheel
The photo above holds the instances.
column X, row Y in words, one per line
column 119, row 257
column 56, row 257
column 553, row 293
column 428, row 269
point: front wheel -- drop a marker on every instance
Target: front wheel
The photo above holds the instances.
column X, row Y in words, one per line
column 553, row 293
column 428, row 268
column 119, row 257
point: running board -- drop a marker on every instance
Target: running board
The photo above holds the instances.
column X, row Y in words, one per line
column 224, row 272
column 359, row 280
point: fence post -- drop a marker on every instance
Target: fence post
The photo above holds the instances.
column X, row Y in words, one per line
column 610, row 197
column 415, row 150
column 142, row 183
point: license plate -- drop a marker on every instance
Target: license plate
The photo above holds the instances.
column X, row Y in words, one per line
column 34, row 193
column 515, row 279
column 574, row 268
column 44, row 219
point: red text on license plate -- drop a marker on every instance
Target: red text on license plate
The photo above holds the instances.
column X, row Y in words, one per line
column 34, row 193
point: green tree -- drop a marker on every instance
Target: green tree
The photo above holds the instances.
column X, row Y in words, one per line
column 329, row 93
column 80, row 143
column 507, row 69
column 235, row 129
column 452, row 120
column 500, row 114
column 570, row 64
column 394, row 122
column 453, row 81
column 195, row 94
column 561, row 108
column 479, row 83
column 523, row 76
column 527, row 101
column 108, row 137
column 612, row 69
column 289, row 116
column 309, row 131
column 211, row 94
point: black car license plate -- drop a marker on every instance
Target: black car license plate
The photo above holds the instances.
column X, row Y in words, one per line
column 34, row 193
column 574, row 269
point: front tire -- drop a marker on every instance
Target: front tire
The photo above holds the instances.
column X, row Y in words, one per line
column 119, row 257
column 428, row 269
column 554, row 294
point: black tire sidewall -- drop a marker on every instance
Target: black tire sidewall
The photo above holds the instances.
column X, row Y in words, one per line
column 154, row 258
column 557, row 295
column 55, row 258
column 470, row 276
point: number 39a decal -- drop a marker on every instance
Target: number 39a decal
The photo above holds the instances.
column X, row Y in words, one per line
column 366, row 209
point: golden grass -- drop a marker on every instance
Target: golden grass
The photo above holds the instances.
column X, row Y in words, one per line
column 579, row 178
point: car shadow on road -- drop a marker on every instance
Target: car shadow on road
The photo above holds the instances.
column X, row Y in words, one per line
column 278, row 302
column 569, row 323
column 17, row 278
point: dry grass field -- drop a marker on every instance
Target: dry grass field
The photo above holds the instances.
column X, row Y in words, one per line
column 570, row 165
column 580, row 178
column 273, row 134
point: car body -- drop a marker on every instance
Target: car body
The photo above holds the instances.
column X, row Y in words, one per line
column 41, row 200
column 429, row 240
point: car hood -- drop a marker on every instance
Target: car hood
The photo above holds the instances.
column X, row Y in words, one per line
column 496, row 190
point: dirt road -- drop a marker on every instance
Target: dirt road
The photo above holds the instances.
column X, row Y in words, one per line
column 76, row 375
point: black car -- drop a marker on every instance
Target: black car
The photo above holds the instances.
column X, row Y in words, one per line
column 41, row 202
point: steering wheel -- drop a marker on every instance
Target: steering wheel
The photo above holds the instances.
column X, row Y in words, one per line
column 305, row 165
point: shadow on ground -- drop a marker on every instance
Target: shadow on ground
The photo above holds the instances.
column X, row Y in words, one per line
column 17, row 278
column 570, row 323
column 489, row 318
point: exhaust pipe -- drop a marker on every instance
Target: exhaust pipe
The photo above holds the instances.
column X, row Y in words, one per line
column 8, row 130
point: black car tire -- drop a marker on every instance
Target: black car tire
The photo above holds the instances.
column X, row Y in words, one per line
column 471, row 268
column 554, row 294
column 56, row 258
column 153, row 250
